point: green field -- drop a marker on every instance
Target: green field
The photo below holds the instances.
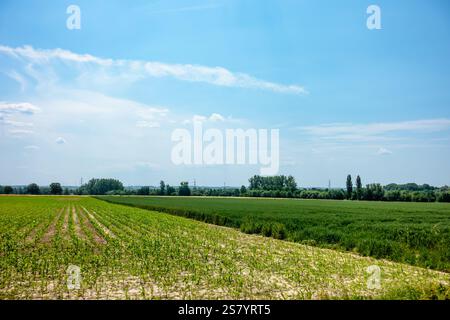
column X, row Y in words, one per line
column 130, row 253
column 412, row 233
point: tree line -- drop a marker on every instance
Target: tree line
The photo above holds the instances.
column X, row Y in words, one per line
column 409, row 192
column 35, row 189
column 269, row 187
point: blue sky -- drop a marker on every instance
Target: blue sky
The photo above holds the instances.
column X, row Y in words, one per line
column 102, row 101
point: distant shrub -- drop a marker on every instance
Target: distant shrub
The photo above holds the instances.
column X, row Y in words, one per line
column 33, row 188
column 101, row 186
column 443, row 196
column 8, row 190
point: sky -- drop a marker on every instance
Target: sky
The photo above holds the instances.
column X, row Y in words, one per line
column 104, row 100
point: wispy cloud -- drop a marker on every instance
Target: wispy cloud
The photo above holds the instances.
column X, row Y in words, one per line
column 20, row 132
column 23, row 107
column 134, row 70
column 383, row 151
column 46, row 56
column 18, row 78
column 88, row 110
column 152, row 112
column 31, row 147
column 15, row 123
column 8, row 113
column 374, row 131
column 214, row 117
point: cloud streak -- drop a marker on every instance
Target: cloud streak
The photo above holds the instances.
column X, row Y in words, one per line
column 22, row 107
column 135, row 70
column 31, row 147
column 374, row 131
column 16, row 123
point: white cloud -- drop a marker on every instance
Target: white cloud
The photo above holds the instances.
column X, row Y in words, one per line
column 134, row 70
column 60, row 140
column 45, row 56
column 31, row 147
column 152, row 112
column 373, row 131
column 383, row 151
column 15, row 123
column 23, row 107
column 20, row 132
column 150, row 117
column 216, row 117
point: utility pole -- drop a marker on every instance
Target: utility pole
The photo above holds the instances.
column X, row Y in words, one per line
column 329, row 184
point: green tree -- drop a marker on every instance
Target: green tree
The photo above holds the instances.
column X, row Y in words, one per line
column 378, row 192
column 184, row 189
column 359, row 188
column 101, row 186
column 55, row 188
column 349, row 187
column 291, row 185
column 162, row 188
column 374, row 192
column 368, row 192
column 443, row 196
column 170, row 190
column 143, row 191
column 273, row 183
column 66, row 192
column 33, row 188
column 243, row 191
column 7, row 190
